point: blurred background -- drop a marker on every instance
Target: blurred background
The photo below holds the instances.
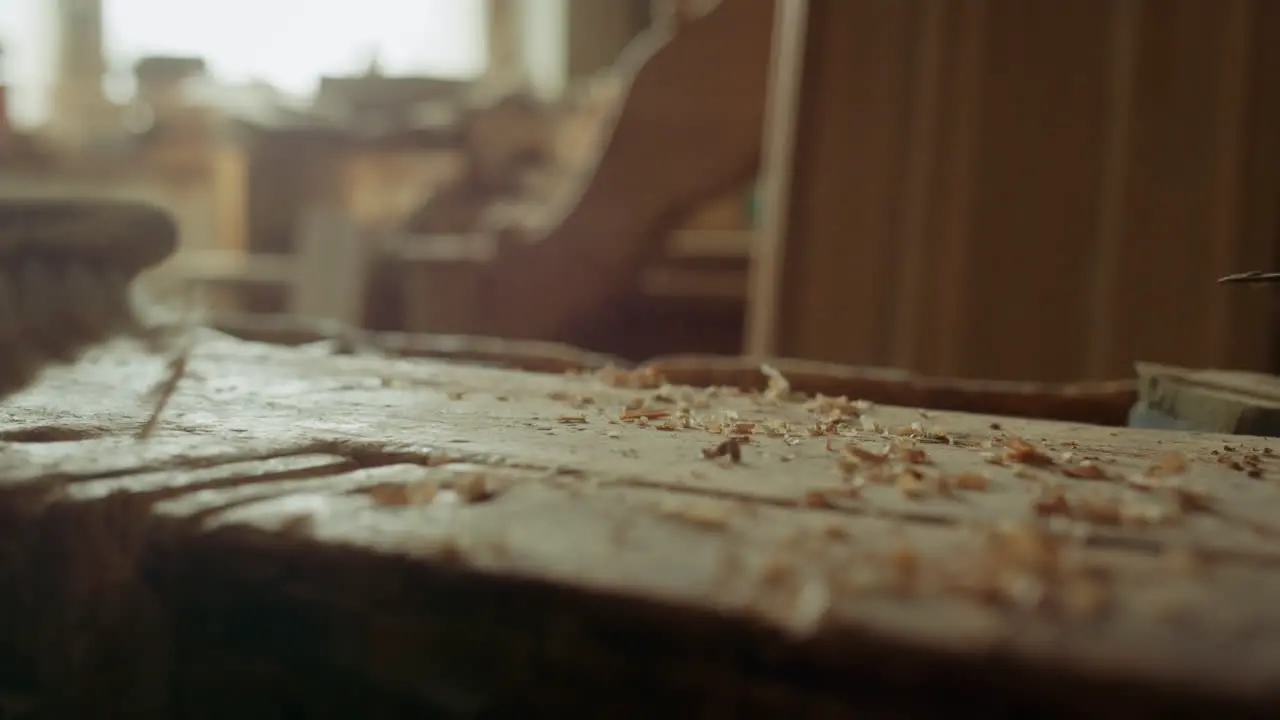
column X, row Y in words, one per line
column 956, row 187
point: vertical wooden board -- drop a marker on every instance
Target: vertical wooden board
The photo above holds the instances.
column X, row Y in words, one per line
column 1177, row 136
column 846, row 162
column 1260, row 207
column 1039, row 151
column 1006, row 189
column 932, row 301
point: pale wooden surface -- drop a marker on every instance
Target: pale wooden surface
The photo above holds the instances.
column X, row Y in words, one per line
column 290, row 451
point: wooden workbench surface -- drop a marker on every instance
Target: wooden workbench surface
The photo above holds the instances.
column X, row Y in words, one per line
column 310, row 531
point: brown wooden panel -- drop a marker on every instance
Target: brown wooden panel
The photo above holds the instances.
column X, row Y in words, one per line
column 1021, row 190
column 857, row 113
column 1184, row 195
column 1039, row 153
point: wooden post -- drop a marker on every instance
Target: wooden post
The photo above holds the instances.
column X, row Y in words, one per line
column 1019, row 190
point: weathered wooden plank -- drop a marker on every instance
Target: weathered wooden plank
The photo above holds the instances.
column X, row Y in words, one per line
column 888, row 595
column 314, row 533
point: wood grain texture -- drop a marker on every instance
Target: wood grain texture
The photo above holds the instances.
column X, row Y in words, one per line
column 974, row 188
column 322, row 535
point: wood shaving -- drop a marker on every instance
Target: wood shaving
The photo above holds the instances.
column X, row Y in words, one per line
column 776, row 428
column 1096, row 509
column 576, row 419
column 644, row 378
column 666, row 395
column 1026, row 568
column 475, row 488
column 856, row 456
column 908, row 454
column 819, row 429
column 1052, row 501
column 1086, row 470
column 1027, row 548
column 730, row 448
column 1101, row 509
column 1168, row 465
column 404, row 494
column 833, row 408
column 777, row 387
column 914, row 487
column 917, row 431
column 571, row 399
column 1020, row 451
column 968, row 481
column 705, row 516
column 643, row 415
column 819, row 498
column 1249, row 463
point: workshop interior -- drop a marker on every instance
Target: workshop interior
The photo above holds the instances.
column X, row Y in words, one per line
column 708, row 358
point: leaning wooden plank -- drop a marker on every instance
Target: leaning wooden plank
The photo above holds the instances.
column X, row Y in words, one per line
column 322, row 534
column 1105, row 403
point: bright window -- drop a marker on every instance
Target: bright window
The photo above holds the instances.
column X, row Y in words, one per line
column 288, row 43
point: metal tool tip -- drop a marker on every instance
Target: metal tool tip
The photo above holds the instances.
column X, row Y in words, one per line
column 1253, row 276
